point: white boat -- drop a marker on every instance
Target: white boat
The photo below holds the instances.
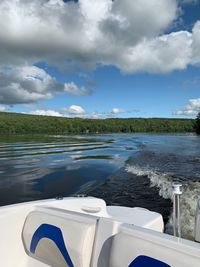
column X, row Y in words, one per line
column 84, row 232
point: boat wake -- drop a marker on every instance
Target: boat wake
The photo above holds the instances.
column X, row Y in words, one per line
column 163, row 180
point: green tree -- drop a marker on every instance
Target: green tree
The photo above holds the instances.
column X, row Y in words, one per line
column 13, row 123
column 197, row 124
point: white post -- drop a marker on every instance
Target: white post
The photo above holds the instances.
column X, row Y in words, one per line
column 197, row 223
column 176, row 209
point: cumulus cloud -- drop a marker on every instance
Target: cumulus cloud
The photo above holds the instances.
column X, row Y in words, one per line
column 196, row 44
column 25, row 85
column 55, row 31
column 78, row 111
column 29, row 84
column 117, row 111
column 192, row 108
column 74, row 110
column 159, row 55
column 84, row 34
column 80, row 34
column 2, row 108
column 73, row 89
column 130, row 21
column 46, row 113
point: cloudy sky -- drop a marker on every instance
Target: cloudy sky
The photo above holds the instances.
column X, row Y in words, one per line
column 100, row 58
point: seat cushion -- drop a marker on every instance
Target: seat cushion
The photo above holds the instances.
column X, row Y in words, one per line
column 59, row 238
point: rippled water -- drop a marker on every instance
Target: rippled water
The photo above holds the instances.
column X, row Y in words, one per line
column 124, row 169
column 43, row 167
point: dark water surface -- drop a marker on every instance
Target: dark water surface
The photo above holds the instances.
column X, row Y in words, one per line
column 123, row 169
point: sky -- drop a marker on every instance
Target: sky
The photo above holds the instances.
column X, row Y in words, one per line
column 100, row 58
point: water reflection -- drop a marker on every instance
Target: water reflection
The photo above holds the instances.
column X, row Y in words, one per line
column 38, row 167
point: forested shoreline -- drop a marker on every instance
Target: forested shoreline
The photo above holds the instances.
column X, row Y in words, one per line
column 16, row 123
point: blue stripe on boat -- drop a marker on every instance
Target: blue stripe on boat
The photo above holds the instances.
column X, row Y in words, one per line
column 53, row 233
column 144, row 261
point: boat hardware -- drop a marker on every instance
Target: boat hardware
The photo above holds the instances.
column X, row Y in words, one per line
column 176, row 209
column 197, row 223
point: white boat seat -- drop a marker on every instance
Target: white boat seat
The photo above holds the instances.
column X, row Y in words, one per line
column 59, row 238
column 137, row 247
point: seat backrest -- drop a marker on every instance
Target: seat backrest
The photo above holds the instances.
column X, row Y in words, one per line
column 59, row 238
column 137, row 247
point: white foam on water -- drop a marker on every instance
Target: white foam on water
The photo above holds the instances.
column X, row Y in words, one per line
column 164, row 181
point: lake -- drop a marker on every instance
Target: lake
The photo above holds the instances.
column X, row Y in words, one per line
column 123, row 169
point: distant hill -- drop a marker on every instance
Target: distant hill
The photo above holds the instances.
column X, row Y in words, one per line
column 14, row 123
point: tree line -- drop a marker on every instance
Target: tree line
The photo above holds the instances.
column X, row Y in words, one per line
column 197, row 124
column 14, row 123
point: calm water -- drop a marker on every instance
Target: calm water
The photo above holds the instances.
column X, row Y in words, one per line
column 126, row 169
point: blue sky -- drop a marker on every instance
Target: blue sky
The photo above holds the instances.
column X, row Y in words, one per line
column 113, row 66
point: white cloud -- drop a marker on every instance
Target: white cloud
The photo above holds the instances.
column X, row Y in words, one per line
column 127, row 34
column 46, row 113
column 74, row 110
column 2, row 108
column 73, row 89
column 24, row 85
column 130, row 21
column 196, row 43
column 192, row 108
column 29, row 84
column 78, row 111
column 80, row 34
column 117, row 111
column 159, row 55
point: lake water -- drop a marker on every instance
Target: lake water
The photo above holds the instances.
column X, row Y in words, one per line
column 123, row 169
